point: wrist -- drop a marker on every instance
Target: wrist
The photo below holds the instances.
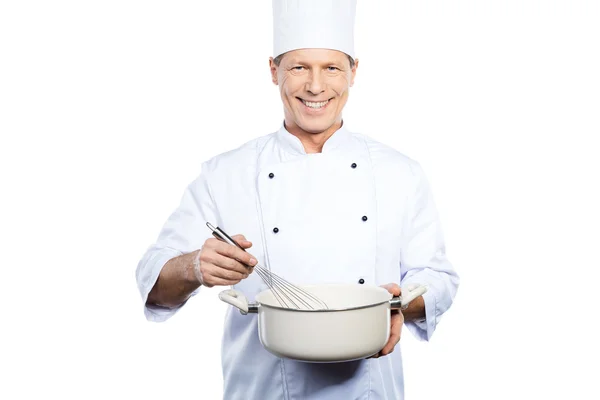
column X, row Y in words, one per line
column 195, row 275
column 415, row 310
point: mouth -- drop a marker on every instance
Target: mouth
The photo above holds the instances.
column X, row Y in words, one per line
column 315, row 105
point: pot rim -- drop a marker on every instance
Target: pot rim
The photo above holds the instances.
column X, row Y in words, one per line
column 260, row 304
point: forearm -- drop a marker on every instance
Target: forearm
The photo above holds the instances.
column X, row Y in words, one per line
column 176, row 282
column 415, row 310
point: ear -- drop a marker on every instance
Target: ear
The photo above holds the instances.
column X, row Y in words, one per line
column 273, row 69
column 353, row 72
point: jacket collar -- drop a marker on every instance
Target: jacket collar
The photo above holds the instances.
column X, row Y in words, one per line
column 292, row 144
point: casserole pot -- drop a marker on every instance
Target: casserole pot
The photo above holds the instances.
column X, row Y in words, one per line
column 356, row 324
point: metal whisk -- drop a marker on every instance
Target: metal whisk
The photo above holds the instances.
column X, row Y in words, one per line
column 287, row 294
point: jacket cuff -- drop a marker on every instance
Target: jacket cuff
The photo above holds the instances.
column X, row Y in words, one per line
column 423, row 329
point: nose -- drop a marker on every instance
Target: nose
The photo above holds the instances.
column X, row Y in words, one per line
column 316, row 83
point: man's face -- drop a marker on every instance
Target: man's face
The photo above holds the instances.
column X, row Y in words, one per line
column 314, row 87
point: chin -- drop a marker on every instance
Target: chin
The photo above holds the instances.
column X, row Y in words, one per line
column 316, row 126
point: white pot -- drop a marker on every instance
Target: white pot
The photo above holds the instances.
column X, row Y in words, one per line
column 356, row 324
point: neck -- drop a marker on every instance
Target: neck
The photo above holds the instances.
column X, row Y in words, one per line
column 312, row 142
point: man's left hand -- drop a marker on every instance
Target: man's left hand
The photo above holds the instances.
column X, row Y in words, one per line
column 396, row 322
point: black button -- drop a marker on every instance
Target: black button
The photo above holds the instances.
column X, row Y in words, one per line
column 271, row 175
column 275, row 230
column 364, row 218
column 353, row 165
column 361, row 281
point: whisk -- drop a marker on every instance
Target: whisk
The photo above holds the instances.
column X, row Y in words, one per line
column 287, row 294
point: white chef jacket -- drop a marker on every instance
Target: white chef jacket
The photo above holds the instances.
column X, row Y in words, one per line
column 359, row 211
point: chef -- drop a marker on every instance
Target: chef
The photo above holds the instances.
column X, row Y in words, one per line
column 315, row 203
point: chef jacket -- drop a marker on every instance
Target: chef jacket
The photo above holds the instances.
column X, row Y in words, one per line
column 358, row 212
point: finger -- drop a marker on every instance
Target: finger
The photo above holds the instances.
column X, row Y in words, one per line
column 230, row 257
column 393, row 288
column 391, row 344
column 228, row 274
column 211, row 281
column 227, row 264
column 242, row 241
column 214, row 243
column 233, row 252
column 396, row 322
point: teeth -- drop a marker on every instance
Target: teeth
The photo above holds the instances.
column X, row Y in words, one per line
column 315, row 105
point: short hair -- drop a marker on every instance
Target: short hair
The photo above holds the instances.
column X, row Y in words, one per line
column 277, row 60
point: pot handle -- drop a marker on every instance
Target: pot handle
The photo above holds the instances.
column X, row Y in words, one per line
column 236, row 299
column 409, row 294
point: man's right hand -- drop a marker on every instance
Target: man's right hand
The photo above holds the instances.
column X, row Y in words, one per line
column 222, row 264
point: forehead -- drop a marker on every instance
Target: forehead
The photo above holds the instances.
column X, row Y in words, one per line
column 315, row 56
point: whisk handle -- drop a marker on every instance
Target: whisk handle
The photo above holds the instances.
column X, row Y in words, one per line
column 220, row 234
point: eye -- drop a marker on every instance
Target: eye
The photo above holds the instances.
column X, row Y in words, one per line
column 298, row 68
column 332, row 69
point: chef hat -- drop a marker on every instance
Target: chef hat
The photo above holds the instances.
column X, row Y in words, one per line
column 323, row 24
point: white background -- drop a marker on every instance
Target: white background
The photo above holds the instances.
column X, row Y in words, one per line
column 107, row 109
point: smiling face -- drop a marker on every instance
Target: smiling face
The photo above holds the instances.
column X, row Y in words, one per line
column 314, row 85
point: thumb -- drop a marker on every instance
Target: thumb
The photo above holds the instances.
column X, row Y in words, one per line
column 393, row 288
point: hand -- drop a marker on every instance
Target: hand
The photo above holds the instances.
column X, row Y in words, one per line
column 396, row 322
column 222, row 264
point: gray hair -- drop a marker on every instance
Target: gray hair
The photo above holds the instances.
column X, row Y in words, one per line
column 277, row 60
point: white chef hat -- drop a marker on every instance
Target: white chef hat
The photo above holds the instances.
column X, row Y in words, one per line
column 318, row 24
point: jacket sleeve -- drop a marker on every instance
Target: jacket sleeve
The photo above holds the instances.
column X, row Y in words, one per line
column 423, row 257
column 184, row 232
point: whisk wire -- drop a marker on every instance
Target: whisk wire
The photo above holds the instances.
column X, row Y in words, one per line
column 290, row 291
